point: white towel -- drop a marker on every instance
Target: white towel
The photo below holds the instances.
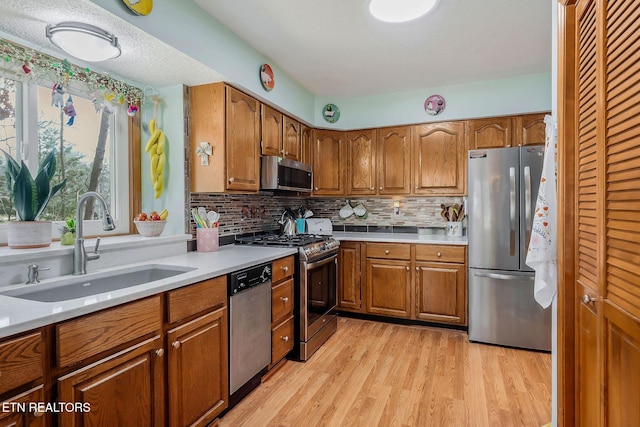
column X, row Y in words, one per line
column 543, row 246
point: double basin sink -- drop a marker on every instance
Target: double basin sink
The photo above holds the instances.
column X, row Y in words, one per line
column 72, row 287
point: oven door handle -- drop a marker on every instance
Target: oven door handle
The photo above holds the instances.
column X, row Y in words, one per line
column 313, row 265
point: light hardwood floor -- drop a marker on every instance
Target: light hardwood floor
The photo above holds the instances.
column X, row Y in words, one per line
column 379, row 374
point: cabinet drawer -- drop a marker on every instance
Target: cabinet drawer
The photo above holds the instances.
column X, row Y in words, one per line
column 282, row 301
column 441, row 253
column 281, row 340
column 193, row 299
column 89, row 335
column 389, row 251
column 20, row 361
column 282, row 268
column 31, row 417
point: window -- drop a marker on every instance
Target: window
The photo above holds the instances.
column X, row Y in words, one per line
column 91, row 145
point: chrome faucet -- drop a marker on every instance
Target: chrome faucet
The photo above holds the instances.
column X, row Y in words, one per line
column 80, row 256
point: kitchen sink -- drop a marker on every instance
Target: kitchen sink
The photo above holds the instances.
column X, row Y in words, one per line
column 72, row 287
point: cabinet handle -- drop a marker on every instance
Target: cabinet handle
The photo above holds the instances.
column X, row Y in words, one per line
column 439, row 254
column 508, row 145
column 284, row 299
column 373, row 188
column 407, row 268
column 285, row 268
column 588, row 300
column 286, row 153
column 285, row 338
column 231, row 179
column 160, row 352
column 417, row 268
column 316, row 188
column 176, row 344
column 387, row 252
column 380, row 188
column 37, row 414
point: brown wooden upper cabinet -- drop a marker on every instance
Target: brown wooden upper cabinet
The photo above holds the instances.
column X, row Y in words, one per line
column 280, row 134
column 530, row 129
column 306, row 145
column 361, row 162
column 291, row 139
column 229, row 121
column 328, row 163
column 271, row 131
column 394, row 160
column 439, row 159
column 500, row 132
column 495, row 132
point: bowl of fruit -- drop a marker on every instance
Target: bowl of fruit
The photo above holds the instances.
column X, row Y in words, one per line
column 151, row 225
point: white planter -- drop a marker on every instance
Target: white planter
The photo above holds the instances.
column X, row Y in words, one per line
column 29, row 234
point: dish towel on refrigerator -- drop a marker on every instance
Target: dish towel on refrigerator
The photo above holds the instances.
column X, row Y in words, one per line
column 543, row 246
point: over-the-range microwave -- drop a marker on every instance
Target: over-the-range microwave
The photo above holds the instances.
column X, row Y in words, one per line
column 278, row 173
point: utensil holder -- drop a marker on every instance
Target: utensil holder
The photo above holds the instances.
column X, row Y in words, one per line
column 207, row 239
column 453, row 229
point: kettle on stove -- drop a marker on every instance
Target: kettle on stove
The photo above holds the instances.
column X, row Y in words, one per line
column 288, row 223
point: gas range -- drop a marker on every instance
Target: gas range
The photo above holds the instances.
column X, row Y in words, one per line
column 311, row 246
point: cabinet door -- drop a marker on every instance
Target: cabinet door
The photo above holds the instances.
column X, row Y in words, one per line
column 126, row 389
column 30, row 417
column 349, row 284
column 530, row 129
column 271, row 131
column 328, row 163
column 361, row 162
column 495, row 132
column 243, row 139
column 306, row 145
column 291, row 139
column 197, row 370
column 389, row 288
column 439, row 159
column 394, row 160
column 441, row 292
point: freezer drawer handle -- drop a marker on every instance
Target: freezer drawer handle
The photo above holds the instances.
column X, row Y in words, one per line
column 504, row 276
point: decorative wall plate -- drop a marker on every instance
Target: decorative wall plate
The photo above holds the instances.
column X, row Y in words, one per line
column 139, row 7
column 331, row 113
column 434, row 105
column 266, row 77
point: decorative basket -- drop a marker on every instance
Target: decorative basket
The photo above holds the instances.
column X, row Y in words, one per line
column 150, row 228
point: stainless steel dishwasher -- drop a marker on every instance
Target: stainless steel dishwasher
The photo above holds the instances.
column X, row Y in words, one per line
column 249, row 329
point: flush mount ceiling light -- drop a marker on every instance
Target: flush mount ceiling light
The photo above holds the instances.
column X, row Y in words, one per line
column 400, row 10
column 84, row 41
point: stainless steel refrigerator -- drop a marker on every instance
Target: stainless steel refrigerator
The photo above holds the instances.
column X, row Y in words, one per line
column 503, row 187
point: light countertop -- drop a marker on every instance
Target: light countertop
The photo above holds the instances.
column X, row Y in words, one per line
column 20, row 315
column 434, row 239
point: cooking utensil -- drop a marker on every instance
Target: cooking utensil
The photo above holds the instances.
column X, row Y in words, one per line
column 308, row 214
column 202, row 213
column 213, row 217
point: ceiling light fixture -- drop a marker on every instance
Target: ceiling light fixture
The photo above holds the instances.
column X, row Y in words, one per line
column 84, row 41
column 400, row 10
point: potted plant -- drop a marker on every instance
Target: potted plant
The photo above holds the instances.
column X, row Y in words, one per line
column 68, row 232
column 30, row 198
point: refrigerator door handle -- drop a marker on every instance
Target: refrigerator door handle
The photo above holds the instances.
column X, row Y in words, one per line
column 504, row 276
column 527, row 203
column 512, row 211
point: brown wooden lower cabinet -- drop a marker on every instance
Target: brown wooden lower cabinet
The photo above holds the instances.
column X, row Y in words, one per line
column 440, row 292
column 197, row 365
column 282, row 302
column 123, row 389
column 349, row 287
column 422, row 282
column 389, row 287
column 23, row 411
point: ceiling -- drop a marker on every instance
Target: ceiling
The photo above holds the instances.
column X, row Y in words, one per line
column 335, row 48
column 331, row 47
column 144, row 58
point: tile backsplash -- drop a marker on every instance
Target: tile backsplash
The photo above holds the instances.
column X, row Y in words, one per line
column 267, row 209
